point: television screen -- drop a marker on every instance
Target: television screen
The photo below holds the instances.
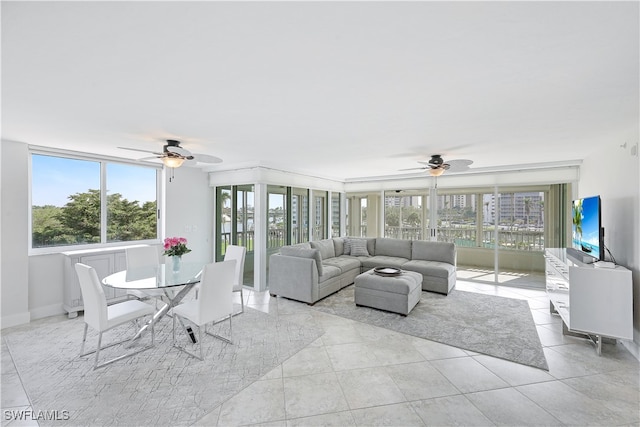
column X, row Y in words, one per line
column 586, row 229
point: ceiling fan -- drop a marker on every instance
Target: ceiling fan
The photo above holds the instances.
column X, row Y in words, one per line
column 437, row 166
column 173, row 155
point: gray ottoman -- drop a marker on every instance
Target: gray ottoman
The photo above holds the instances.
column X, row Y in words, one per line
column 398, row 294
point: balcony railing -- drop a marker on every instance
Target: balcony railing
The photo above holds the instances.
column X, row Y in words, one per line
column 527, row 240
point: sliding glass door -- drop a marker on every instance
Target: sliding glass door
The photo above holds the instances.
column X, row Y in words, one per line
column 299, row 215
column 235, row 224
column 319, row 215
column 276, row 218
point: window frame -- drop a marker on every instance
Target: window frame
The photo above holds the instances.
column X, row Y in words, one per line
column 103, row 161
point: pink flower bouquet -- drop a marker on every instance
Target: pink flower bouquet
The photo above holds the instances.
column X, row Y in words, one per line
column 175, row 246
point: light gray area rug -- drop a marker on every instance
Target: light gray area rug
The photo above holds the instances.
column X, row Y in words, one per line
column 487, row 324
column 160, row 386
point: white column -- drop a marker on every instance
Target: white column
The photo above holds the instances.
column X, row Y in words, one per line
column 343, row 215
column 260, row 238
column 381, row 215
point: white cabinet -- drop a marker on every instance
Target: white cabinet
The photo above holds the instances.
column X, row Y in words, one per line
column 105, row 261
column 591, row 300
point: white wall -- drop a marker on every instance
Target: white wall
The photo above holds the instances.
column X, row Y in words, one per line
column 189, row 207
column 614, row 173
column 14, row 222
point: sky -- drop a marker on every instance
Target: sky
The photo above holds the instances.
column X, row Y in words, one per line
column 55, row 178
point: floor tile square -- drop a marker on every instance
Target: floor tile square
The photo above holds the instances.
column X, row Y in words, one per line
column 358, row 386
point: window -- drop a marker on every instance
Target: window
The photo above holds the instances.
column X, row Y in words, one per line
column 299, row 215
column 404, row 216
column 70, row 206
column 335, row 214
column 320, row 215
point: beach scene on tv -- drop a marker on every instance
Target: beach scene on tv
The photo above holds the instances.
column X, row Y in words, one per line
column 586, row 226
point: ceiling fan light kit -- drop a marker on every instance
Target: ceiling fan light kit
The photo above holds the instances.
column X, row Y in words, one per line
column 436, row 171
column 173, row 162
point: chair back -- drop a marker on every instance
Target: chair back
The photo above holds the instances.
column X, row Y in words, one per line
column 142, row 256
column 95, row 303
column 215, row 300
column 237, row 253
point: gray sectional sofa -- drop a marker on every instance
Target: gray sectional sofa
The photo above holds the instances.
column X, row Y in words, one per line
column 311, row 271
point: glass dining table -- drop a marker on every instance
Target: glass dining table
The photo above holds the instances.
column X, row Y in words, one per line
column 174, row 284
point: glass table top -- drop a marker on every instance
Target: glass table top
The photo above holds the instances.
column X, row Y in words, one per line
column 161, row 276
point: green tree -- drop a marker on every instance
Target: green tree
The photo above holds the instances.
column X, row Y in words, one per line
column 127, row 220
column 80, row 217
column 392, row 218
column 413, row 219
column 46, row 226
column 79, row 220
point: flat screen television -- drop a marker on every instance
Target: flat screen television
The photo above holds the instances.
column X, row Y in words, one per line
column 586, row 231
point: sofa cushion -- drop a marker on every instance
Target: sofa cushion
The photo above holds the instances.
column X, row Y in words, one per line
column 433, row 251
column 344, row 263
column 326, row 248
column 431, row 268
column 383, row 261
column 338, row 245
column 359, row 248
column 393, row 247
column 304, row 253
column 329, row 272
column 303, row 245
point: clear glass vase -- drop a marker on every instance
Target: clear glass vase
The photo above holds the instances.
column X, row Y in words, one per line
column 176, row 261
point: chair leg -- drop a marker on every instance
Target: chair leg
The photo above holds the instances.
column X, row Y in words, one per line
column 220, row 337
column 241, row 302
column 95, row 364
column 183, row 349
column 84, row 339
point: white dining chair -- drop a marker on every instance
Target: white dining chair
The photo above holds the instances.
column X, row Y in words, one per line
column 237, row 253
column 143, row 256
column 102, row 317
column 214, row 303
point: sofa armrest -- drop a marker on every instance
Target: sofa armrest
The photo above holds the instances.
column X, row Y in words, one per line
column 293, row 277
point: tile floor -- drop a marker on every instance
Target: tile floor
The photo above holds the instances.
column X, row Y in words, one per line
column 360, row 375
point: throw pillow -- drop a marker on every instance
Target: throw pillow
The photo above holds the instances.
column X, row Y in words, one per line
column 359, row 247
column 347, row 247
column 325, row 247
column 304, row 253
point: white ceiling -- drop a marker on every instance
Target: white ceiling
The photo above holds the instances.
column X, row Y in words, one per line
column 333, row 89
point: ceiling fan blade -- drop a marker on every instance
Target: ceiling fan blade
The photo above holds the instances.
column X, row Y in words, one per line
column 177, row 150
column 144, row 159
column 459, row 165
column 413, row 169
column 205, row 158
column 142, row 151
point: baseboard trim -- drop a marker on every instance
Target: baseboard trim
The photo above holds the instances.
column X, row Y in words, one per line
column 47, row 311
column 15, row 320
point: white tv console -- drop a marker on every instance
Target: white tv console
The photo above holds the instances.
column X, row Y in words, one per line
column 596, row 302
